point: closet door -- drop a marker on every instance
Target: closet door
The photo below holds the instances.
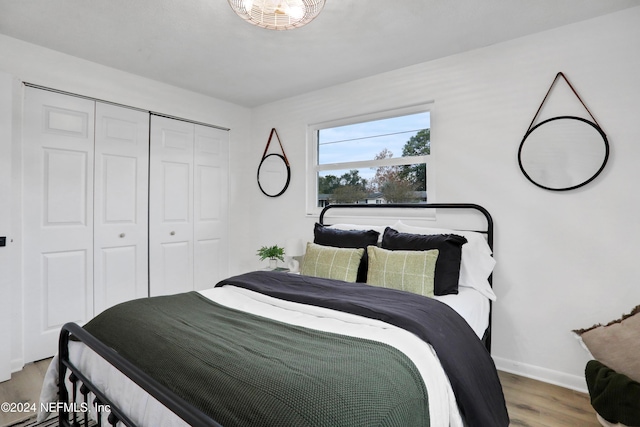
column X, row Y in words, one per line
column 121, row 205
column 188, row 206
column 211, row 158
column 171, row 206
column 58, row 148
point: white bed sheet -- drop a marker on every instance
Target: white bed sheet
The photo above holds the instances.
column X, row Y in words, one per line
column 147, row 411
column 472, row 305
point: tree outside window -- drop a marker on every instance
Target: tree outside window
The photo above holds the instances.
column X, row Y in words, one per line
column 380, row 161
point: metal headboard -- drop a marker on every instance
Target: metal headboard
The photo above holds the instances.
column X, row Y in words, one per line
column 460, row 206
column 488, row 231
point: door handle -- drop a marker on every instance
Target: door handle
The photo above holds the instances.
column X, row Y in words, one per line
column 121, row 235
column 173, row 233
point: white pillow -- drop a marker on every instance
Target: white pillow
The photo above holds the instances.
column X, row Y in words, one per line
column 476, row 263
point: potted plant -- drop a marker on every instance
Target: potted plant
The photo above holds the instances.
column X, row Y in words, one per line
column 272, row 253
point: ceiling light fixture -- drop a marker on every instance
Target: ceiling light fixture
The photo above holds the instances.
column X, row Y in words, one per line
column 277, row 14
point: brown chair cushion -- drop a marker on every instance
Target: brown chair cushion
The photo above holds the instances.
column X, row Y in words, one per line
column 617, row 344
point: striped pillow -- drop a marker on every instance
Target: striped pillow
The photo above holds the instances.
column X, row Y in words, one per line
column 411, row 271
column 331, row 263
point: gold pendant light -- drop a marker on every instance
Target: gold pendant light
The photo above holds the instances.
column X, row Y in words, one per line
column 277, row 14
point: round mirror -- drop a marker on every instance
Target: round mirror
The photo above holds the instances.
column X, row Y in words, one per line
column 274, row 175
column 563, row 153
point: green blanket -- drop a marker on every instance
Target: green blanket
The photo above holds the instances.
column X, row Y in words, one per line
column 245, row 370
column 614, row 396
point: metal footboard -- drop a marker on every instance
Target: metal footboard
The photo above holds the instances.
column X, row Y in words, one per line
column 74, row 410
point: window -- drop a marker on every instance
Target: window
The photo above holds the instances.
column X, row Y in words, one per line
column 373, row 159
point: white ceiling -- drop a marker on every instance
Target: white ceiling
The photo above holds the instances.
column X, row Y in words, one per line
column 201, row 45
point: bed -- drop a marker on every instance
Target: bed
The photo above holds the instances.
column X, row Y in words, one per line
column 275, row 348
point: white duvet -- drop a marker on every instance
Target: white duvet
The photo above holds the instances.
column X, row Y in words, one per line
column 146, row 411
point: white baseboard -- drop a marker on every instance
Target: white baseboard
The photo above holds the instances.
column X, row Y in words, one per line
column 573, row 382
column 17, row 365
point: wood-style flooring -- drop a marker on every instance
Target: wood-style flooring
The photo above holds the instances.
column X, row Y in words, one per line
column 530, row 403
column 23, row 387
column 534, row 403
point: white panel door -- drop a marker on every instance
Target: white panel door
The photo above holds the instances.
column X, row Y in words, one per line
column 120, row 205
column 8, row 255
column 170, row 206
column 211, row 160
column 58, row 151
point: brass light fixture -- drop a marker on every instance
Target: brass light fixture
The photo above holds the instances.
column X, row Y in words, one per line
column 277, row 14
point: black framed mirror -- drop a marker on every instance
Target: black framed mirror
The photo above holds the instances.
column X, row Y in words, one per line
column 274, row 175
column 563, row 153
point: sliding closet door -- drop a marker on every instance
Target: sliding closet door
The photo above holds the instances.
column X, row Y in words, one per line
column 211, row 197
column 121, row 205
column 58, row 217
column 171, row 206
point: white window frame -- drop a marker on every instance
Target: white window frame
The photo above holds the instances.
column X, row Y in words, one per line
column 313, row 168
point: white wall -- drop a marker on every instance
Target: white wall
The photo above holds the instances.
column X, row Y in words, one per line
column 565, row 259
column 44, row 67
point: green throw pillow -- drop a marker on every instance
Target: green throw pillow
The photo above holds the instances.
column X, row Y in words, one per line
column 331, row 263
column 411, row 271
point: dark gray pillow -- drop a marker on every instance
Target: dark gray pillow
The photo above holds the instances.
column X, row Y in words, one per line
column 327, row 236
column 447, row 272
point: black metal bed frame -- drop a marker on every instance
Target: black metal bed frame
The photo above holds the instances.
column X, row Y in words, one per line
column 82, row 386
column 79, row 382
column 486, row 339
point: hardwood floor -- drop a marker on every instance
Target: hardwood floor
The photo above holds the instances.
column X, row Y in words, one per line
column 23, row 387
column 534, row 403
column 530, row 403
